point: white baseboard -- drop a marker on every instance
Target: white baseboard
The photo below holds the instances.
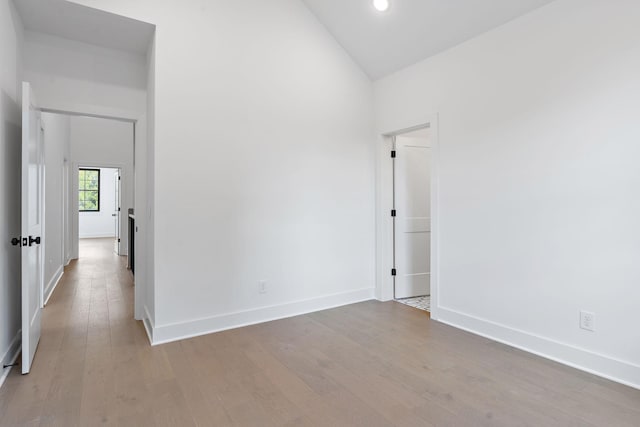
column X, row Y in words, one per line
column 98, row 236
column 53, row 283
column 148, row 324
column 620, row 371
column 162, row 334
column 10, row 356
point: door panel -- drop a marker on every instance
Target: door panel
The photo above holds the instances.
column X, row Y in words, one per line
column 413, row 220
column 32, row 225
column 116, row 210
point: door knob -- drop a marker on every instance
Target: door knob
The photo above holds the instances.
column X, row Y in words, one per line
column 34, row 240
column 113, row 214
column 16, row 241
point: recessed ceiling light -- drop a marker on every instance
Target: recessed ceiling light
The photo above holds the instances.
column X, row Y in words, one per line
column 381, row 5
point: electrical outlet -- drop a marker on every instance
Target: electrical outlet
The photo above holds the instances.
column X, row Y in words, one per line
column 262, row 286
column 587, row 321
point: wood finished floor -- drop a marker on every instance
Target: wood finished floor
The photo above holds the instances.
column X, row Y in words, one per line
column 369, row 364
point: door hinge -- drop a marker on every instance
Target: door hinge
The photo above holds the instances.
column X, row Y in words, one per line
column 393, row 154
column 393, row 213
column 393, row 272
column 118, row 240
column 118, row 178
column 118, row 209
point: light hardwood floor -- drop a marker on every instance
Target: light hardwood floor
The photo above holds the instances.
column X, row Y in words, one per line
column 371, row 364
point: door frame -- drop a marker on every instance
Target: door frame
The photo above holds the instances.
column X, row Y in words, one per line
column 384, row 204
column 74, row 187
column 43, row 285
column 142, row 201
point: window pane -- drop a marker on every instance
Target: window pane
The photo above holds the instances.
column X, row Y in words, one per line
column 91, row 197
column 81, row 180
column 92, row 181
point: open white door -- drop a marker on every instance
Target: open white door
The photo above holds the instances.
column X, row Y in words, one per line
column 116, row 210
column 413, row 217
column 32, row 225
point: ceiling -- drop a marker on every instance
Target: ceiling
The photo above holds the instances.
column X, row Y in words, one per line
column 381, row 43
column 411, row 30
column 75, row 22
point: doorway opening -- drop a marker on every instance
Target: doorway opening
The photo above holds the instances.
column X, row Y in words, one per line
column 100, row 205
column 411, row 217
column 79, row 173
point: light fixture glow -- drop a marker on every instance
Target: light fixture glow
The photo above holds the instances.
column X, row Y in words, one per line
column 381, row 5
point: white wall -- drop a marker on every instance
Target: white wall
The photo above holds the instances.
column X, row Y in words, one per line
column 10, row 154
column 74, row 76
column 539, row 179
column 263, row 164
column 101, row 142
column 102, row 223
column 56, row 146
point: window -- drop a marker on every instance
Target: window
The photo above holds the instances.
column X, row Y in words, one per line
column 89, row 190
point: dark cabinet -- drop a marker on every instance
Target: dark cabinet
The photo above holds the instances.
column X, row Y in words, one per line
column 132, row 242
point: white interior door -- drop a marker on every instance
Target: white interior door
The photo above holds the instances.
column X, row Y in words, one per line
column 32, row 225
column 413, row 217
column 116, row 210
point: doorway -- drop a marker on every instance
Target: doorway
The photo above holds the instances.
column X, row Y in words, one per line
column 78, row 198
column 388, row 259
column 411, row 213
column 99, row 200
column 90, row 198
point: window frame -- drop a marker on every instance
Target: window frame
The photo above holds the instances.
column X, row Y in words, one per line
column 85, row 190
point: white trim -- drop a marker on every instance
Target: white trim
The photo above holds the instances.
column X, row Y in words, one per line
column 617, row 370
column 384, row 224
column 98, row 236
column 53, row 283
column 43, row 220
column 424, row 125
column 94, row 112
column 148, row 324
column 6, row 360
column 163, row 334
column 90, row 115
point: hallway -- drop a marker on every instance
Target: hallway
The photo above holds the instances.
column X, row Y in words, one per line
column 373, row 364
column 89, row 348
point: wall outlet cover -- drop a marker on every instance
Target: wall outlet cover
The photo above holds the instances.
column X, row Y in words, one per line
column 587, row 321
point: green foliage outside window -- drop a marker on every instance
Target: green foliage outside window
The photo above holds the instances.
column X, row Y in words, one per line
column 89, row 190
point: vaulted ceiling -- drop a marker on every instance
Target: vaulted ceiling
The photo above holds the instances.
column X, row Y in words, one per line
column 411, row 30
column 380, row 42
